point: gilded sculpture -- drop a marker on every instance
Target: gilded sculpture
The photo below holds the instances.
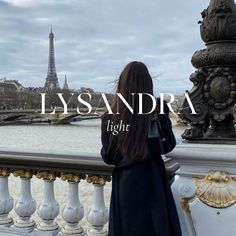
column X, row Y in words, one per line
column 217, row 189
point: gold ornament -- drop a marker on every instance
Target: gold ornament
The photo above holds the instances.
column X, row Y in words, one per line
column 185, row 204
column 98, row 179
column 217, row 189
column 23, row 174
column 46, row 175
column 5, row 172
column 72, row 177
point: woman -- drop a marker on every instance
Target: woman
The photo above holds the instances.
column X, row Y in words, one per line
column 141, row 201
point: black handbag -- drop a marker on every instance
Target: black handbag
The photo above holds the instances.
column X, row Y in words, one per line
column 156, row 135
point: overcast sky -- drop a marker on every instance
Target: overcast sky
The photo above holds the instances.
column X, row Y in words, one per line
column 95, row 39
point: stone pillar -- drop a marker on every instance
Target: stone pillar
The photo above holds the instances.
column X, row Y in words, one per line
column 98, row 214
column 73, row 211
column 6, row 201
column 48, row 210
column 25, row 205
column 205, row 190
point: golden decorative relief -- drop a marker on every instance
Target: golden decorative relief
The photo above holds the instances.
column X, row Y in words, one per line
column 217, row 189
column 23, row 173
column 98, row 179
column 5, row 172
column 46, row 175
column 72, row 177
column 185, row 204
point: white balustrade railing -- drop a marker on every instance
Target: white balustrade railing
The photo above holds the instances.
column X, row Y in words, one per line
column 50, row 168
column 25, row 205
column 6, row 201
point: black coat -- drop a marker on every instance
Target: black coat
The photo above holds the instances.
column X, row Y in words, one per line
column 141, row 201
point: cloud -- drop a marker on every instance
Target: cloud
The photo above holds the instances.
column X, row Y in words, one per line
column 23, row 3
column 93, row 42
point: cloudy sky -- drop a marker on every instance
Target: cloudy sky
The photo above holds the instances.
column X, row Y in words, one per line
column 95, row 39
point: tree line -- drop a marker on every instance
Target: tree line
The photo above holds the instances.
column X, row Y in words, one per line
column 31, row 99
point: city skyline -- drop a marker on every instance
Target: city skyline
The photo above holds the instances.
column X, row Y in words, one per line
column 92, row 50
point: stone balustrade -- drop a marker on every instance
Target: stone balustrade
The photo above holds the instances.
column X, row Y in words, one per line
column 205, row 188
column 50, row 168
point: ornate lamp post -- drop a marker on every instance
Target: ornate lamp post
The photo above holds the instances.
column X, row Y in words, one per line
column 214, row 82
column 205, row 190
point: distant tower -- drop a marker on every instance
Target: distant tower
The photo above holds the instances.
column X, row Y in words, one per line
column 65, row 86
column 51, row 80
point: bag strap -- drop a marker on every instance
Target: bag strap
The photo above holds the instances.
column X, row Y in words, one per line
column 159, row 126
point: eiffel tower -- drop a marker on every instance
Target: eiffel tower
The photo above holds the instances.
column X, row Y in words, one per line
column 51, row 80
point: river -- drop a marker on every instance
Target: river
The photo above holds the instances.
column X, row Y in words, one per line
column 81, row 136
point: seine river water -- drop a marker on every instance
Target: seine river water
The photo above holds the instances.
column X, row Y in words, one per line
column 81, row 136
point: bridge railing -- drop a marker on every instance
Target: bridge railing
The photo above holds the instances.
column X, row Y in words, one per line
column 72, row 168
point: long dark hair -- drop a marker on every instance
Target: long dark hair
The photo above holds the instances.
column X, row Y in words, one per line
column 132, row 145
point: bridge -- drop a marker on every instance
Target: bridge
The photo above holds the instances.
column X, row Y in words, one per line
column 35, row 116
column 46, row 169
